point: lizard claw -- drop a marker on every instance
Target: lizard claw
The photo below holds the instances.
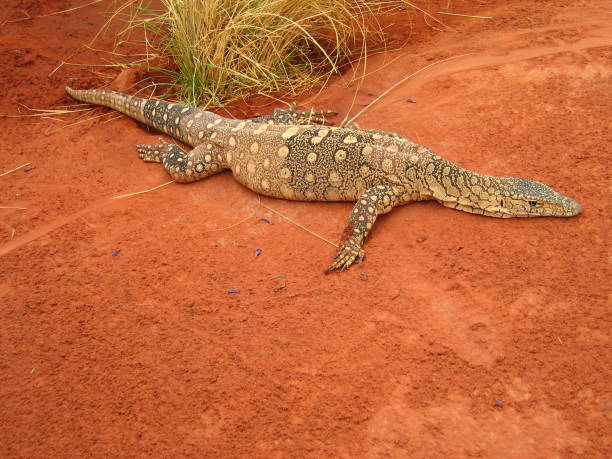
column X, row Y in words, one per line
column 348, row 254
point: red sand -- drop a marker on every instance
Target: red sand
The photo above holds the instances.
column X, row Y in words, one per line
column 146, row 354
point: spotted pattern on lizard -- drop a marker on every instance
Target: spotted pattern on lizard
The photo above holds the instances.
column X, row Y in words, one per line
column 293, row 155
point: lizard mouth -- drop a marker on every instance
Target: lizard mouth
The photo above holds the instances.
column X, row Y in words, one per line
column 567, row 208
column 573, row 208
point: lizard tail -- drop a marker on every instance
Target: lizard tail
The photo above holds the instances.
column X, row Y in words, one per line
column 173, row 119
column 130, row 105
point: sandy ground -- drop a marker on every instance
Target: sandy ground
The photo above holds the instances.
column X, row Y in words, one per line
column 458, row 336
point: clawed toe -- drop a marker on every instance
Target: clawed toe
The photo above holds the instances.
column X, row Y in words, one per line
column 154, row 153
column 307, row 116
column 323, row 112
column 149, row 153
column 318, row 116
column 320, row 120
column 348, row 254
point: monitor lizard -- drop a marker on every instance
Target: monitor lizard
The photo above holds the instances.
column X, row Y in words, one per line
column 295, row 155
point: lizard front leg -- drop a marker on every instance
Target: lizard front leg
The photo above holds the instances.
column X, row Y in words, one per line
column 183, row 167
column 378, row 200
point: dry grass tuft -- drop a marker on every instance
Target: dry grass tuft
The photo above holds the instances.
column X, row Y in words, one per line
column 216, row 51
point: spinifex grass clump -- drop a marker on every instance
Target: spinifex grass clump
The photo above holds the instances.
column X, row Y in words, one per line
column 221, row 50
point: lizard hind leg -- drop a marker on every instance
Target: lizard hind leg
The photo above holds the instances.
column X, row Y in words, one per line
column 378, row 200
column 296, row 117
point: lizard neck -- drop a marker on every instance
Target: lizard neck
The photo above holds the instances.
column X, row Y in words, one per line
column 501, row 197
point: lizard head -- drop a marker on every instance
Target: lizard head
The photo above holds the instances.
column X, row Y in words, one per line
column 527, row 198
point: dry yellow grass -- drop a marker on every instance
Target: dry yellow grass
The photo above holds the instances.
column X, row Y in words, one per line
column 222, row 50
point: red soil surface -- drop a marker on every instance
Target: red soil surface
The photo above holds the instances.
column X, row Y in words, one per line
column 147, row 354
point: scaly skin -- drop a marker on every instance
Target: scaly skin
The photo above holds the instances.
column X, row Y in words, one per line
column 283, row 156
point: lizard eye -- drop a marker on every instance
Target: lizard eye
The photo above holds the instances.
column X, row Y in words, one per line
column 533, row 203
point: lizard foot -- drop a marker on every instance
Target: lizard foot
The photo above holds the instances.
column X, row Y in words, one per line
column 154, row 153
column 349, row 252
column 318, row 116
column 294, row 117
column 309, row 116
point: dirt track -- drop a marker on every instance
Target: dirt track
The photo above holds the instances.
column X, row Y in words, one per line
column 146, row 353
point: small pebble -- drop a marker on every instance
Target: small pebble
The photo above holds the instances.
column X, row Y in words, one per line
column 258, row 252
column 233, row 290
column 268, row 221
column 498, row 403
column 115, row 252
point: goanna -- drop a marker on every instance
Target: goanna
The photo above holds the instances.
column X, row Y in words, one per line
column 294, row 155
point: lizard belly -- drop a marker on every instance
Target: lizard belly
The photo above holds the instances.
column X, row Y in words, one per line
column 285, row 183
